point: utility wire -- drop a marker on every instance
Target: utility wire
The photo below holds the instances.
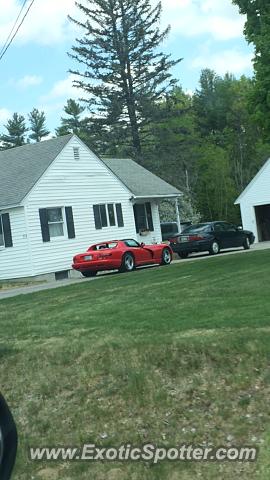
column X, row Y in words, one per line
column 16, row 31
column 12, row 30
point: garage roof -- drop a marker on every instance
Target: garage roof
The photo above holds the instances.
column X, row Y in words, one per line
column 238, row 200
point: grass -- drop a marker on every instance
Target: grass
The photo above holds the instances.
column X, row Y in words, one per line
column 169, row 355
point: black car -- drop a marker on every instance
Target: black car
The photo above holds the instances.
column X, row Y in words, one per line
column 170, row 229
column 211, row 237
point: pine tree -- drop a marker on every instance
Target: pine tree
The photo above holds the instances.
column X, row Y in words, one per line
column 123, row 69
column 72, row 123
column 17, row 129
column 37, row 125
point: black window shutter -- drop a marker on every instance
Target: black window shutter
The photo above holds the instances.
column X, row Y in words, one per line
column 135, row 210
column 70, row 222
column 43, row 215
column 97, row 217
column 119, row 215
column 7, row 230
column 149, row 216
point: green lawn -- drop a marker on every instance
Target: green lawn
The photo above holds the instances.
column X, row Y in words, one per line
column 168, row 355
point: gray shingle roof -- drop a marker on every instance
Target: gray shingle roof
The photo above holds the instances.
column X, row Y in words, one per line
column 141, row 182
column 21, row 168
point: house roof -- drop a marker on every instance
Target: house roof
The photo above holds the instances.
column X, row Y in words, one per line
column 140, row 181
column 258, row 174
column 22, row 167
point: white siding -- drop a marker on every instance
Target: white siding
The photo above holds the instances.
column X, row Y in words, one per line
column 249, row 219
column 79, row 184
column 258, row 193
column 15, row 262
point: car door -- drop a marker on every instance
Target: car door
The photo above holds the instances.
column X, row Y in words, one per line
column 232, row 236
column 144, row 255
column 219, row 234
column 141, row 254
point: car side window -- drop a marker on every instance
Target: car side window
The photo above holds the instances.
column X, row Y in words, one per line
column 218, row 227
column 131, row 243
column 228, row 227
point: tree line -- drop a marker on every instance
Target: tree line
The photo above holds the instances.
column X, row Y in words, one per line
column 208, row 144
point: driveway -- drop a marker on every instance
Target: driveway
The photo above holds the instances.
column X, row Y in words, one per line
column 13, row 292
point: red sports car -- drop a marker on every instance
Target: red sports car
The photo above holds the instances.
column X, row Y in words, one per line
column 122, row 255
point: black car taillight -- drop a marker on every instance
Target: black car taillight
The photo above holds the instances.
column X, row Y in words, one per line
column 195, row 238
column 174, row 240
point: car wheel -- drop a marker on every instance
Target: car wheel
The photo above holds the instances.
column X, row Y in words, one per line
column 246, row 244
column 128, row 263
column 183, row 255
column 89, row 273
column 215, row 248
column 166, row 257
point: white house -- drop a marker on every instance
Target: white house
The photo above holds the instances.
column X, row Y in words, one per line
column 254, row 202
column 57, row 198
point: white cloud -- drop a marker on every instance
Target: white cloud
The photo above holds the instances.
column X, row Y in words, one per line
column 190, row 18
column 62, row 89
column 232, row 61
column 46, row 23
column 54, row 101
column 5, row 114
column 27, row 81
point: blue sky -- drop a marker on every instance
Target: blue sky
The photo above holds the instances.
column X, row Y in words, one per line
column 34, row 71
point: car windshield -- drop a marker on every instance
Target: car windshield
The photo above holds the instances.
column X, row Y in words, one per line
column 199, row 227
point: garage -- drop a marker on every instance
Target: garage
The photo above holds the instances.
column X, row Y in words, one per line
column 263, row 222
column 254, row 204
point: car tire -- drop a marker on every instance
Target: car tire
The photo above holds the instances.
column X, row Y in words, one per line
column 246, row 244
column 214, row 248
column 183, row 255
column 128, row 263
column 166, row 257
column 89, row 273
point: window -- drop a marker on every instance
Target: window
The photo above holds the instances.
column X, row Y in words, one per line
column 55, row 222
column 2, row 243
column 5, row 231
column 100, row 216
column 110, row 207
column 119, row 215
column 143, row 216
column 131, row 243
column 76, row 152
column 102, row 246
column 198, row 227
column 218, row 227
column 104, row 213
column 228, row 227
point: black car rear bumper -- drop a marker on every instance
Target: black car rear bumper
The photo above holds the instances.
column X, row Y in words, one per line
column 190, row 247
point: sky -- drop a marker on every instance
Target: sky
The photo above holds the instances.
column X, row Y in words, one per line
column 35, row 69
